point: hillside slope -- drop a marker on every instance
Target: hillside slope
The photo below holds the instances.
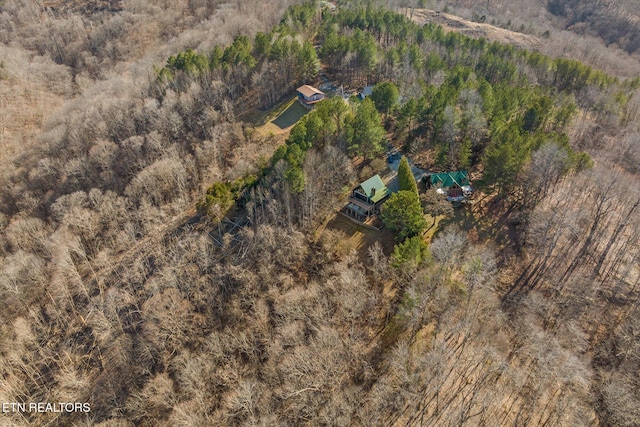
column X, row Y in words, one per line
column 598, row 33
column 474, row 29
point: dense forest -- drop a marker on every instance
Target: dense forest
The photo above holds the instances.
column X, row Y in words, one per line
column 168, row 262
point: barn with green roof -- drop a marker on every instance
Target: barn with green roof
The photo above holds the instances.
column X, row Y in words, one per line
column 455, row 185
column 449, row 179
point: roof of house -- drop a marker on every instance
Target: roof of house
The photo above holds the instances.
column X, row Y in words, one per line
column 375, row 182
column 309, row 91
column 367, row 91
column 449, row 179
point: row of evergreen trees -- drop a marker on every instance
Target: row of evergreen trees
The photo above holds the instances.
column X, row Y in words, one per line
column 472, row 101
column 267, row 67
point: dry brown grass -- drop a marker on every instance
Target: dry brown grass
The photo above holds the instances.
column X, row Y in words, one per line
column 533, row 19
column 474, row 29
column 360, row 238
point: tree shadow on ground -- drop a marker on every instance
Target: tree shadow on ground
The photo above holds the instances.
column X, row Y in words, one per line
column 488, row 223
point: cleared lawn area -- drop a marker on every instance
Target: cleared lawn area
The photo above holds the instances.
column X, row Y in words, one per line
column 360, row 238
column 276, row 121
column 290, row 116
column 262, row 117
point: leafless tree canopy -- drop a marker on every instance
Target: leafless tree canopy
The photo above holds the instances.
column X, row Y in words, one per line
column 115, row 291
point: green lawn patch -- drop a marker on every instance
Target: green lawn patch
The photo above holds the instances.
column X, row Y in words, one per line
column 290, row 116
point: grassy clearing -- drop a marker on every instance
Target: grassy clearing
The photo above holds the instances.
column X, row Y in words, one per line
column 277, row 121
column 432, row 228
column 260, row 117
column 361, row 238
column 290, row 116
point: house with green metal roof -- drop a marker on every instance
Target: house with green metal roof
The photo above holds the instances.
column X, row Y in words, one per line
column 372, row 190
column 366, row 199
column 449, row 179
column 455, row 185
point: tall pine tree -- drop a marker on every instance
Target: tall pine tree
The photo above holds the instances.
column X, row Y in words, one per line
column 365, row 132
column 403, row 213
column 406, row 180
column 385, row 96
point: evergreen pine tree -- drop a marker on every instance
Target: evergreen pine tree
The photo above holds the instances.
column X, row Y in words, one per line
column 403, row 213
column 406, row 180
column 365, row 133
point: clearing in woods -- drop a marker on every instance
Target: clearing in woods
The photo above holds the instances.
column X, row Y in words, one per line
column 278, row 120
column 290, row 116
column 358, row 237
column 473, row 29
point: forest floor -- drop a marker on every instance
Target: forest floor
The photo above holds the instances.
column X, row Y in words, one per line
column 486, row 220
column 24, row 108
column 357, row 237
column 360, row 238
